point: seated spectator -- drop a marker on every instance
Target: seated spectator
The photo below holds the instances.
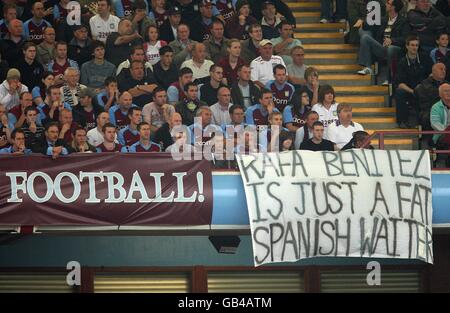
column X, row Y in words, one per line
column 9, row 13
column 103, row 23
column 11, row 89
column 220, row 110
column 35, row 26
column 284, row 44
column 129, row 135
column 387, row 42
column 286, row 142
column 441, row 54
column 46, row 49
column 118, row 114
column 61, row 63
column 153, row 45
column 311, row 87
column 79, row 142
column 11, row 43
column 109, row 140
column 60, row 11
column 232, row 62
column 356, row 15
column 144, row 144
column 139, row 17
column 341, row 131
column 294, row 114
column 427, row 93
column 359, row 139
column 216, row 45
column 297, row 68
column 262, row 66
column 39, row 92
column 5, row 130
column 439, row 118
column 169, row 28
column 119, row 44
column 244, row 92
column 137, row 54
column 158, row 112
column 85, row 114
column 199, row 65
column 317, row 142
column 250, row 47
column 51, row 144
column 426, row 21
column 110, row 96
column 270, row 21
column 327, row 16
column 181, row 149
column 71, row 87
column 282, row 8
column 16, row 116
column 79, row 48
column 95, row 71
column 208, row 91
column 443, row 6
column 203, row 130
column 165, row 71
column 4, row 67
column 30, row 66
column 163, row 135
column 123, row 8
column 282, row 91
column 67, row 125
column 175, row 92
column 182, row 46
column 237, row 26
column 305, row 132
column 139, row 85
column 95, row 135
column 258, row 114
column 236, row 124
column 202, row 24
column 158, row 12
column 190, row 104
column 50, row 109
column 226, row 9
column 250, row 145
column 412, row 69
column 327, row 106
column 272, row 133
column 18, row 144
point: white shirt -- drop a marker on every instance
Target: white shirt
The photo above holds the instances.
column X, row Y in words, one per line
column 199, row 72
column 326, row 116
column 101, row 29
column 95, row 137
column 262, row 70
column 341, row 135
column 220, row 116
column 152, row 53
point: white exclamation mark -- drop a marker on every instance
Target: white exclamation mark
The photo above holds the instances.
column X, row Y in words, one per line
column 201, row 198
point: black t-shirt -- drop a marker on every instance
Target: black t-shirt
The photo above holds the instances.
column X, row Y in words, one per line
column 325, row 145
column 126, row 81
column 163, row 136
column 165, row 78
column 208, row 94
column 118, row 54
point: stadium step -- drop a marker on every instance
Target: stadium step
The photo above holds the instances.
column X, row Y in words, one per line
column 318, row 27
column 363, row 101
column 360, row 90
column 335, row 48
column 304, row 6
column 320, row 37
column 335, row 68
column 327, row 58
column 345, row 79
column 372, row 111
column 307, row 17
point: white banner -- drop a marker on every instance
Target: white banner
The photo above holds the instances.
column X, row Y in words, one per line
column 355, row 203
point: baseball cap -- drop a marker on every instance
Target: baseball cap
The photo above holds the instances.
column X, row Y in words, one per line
column 174, row 11
column 264, row 42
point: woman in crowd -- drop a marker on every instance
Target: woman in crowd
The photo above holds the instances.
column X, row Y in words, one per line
column 39, row 93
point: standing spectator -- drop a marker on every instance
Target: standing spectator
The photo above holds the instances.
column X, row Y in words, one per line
column 96, row 135
column 190, row 104
column 168, row 30
column 158, row 112
column 220, row 110
column 71, row 88
column 250, row 46
column 284, row 44
column 244, row 92
column 327, row 106
column 109, row 140
column 232, row 62
column 208, row 91
column 103, row 23
column 139, row 17
column 39, row 92
column 94, row 72
column 258, row 114
column 439, row 118
column 51, row 144
column 327, row 16
column 60, row 11
column 86, row 113
column 29, row 67
column 118, row 114
column 137, row 54
column 79, row 48
column 412, row 69
column 144, row 144
column 282, row 8
column 34, row 132
column 217, row 44
column 163, row 135
column 317, row 142
column 297, row 68
column 282, row 90
column 182, row 46
column 341, row 131
column 270, row 21
column 119, row 44
column 165, row 71
column 262, row 66
column 124, row 8
column 46, row 49
column 110, row 96
column 202, row 24
column 129, row 135
column 305, row 132
column 9, row 14
column 11, row 89
column 294, row 115
column 79, row 142
column 153, row 45
column 175, row 92
column 18, row 144
column 226, row 9
column 60, row 63
column 199, row 65
column 158, row 12
column 11, row 44
column 35, row 26
column 238, row 25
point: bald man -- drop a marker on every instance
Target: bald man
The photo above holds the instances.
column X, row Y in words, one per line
column 46, row 49
column 198, row 64
column 163, row 135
